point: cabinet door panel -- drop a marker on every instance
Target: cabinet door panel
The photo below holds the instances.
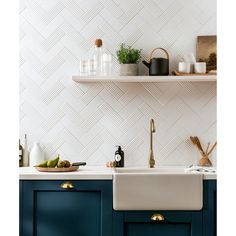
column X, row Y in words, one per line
column 67, row 213
column 144, row 229
column 49, row 210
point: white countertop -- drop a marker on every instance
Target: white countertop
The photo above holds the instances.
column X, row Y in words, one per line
column 88, row 173
column 84, row 172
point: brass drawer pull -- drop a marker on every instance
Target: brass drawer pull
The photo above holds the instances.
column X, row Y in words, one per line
column 157, row 217
column 67, row 185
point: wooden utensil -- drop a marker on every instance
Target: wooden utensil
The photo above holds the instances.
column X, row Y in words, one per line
column 197, row 143
column 204, row 160
column 207, row 147
column 212, row 148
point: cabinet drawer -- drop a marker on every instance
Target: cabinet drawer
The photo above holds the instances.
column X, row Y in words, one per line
column 142, row 223
column 146, row 216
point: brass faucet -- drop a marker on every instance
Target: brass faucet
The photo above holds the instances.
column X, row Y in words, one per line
column 151, row 158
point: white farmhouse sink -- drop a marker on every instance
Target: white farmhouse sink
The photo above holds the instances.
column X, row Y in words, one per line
column 149, row 170
column 157, row 189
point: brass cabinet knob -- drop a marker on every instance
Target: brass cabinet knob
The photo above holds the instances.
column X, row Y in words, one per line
column 157, row 217
column 67, row 185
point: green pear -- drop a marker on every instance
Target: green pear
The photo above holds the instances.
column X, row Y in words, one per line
column 42, row 164
column 61, row 164
column 53, row 163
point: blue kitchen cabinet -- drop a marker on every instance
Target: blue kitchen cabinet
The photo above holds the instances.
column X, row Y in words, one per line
column 86, row 210
column 175, row 223
column 49, row 210
column 210, row 208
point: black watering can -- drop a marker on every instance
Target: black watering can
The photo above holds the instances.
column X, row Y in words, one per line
column 158, row 66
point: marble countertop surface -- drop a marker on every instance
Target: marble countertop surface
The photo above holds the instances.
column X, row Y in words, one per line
column 98, row 173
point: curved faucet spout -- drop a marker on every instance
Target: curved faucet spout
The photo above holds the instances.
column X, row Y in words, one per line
column 152, row 126
column 152, row 130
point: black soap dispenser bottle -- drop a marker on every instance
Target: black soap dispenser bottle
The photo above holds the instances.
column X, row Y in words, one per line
column 119, row 157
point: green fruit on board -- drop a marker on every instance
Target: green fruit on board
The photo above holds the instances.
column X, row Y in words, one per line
column 53, row 163
column 61, row 164
column 43, row 164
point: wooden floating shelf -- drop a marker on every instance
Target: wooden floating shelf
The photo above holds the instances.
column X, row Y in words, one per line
column 130, row 79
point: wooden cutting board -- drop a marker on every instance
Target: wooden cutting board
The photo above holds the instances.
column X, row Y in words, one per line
column 65, row 169
column 175, row 72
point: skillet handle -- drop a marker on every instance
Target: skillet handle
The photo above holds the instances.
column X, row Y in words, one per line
column 79, row 164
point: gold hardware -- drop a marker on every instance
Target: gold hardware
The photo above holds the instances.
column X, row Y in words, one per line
column 157, row 217
column 67, row 185
column 152, row 130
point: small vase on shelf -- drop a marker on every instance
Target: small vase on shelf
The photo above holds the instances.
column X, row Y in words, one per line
column 36, row 154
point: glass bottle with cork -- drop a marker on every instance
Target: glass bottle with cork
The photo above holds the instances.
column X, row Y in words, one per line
column 97, row 56
column 102, row 60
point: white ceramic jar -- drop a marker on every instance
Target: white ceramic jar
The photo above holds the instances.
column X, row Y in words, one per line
column 200, row 67
column 36, row 154
column 184, row 67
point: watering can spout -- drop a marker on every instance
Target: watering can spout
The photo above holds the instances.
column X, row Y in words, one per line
column 146, row 63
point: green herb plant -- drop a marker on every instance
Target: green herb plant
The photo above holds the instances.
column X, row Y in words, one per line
column 128, row 55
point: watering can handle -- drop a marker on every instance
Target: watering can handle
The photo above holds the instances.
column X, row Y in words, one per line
column 167, row 55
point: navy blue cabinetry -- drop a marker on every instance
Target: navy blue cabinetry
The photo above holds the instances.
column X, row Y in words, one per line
column 49, row 210
column 46, row 209
column 174, row 224
column 209, row 208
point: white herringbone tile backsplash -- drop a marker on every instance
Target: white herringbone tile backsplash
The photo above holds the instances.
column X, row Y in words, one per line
column 84, row 122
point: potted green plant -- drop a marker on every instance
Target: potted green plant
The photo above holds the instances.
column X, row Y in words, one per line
column 128, row 58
